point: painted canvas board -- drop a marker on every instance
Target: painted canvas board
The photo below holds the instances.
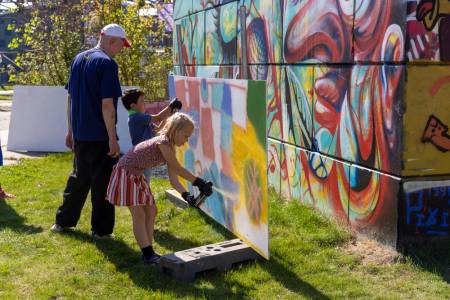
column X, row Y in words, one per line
column 228, row 147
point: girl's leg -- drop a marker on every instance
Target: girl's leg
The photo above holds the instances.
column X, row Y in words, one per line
column 139, row 227
column 150, row 217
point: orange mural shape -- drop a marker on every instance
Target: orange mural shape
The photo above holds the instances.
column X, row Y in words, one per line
column 436, row 133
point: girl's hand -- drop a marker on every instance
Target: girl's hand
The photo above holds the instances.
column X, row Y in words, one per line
column 190, row 199
column 204, row 187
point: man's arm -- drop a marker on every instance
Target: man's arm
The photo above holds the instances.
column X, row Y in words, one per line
column 69, row 135
column 109, row 117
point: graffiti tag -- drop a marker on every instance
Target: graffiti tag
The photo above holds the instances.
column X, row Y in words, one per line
column 427, row 211
column 436, row 133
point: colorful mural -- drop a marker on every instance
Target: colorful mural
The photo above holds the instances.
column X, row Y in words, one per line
column 357, row 114
column 315, row 180
column 263, row 29
column 182, row 8
column 426, row 120
column 221, row 35
column 297, row 98
column 192, row 39
column 317, row 31
column 428, row 30
column 373, row 204
column 228, row 147
column 379, row 30
column 425, row 209
column 348, row 109
column 273, row 165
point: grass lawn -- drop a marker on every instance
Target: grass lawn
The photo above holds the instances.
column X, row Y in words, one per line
column 6, row 88
column 307, row 256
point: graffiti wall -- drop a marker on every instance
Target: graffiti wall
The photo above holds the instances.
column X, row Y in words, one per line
column 221, row 35
column 355, row 96
column 425, row 209
column 427, row 118
column 428, row 29
column 228, row 147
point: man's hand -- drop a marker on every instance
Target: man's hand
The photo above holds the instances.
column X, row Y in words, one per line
column 114, row 148
column 69, row 140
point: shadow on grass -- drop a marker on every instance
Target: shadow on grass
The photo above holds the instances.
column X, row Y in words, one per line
column 432, row 257
column 275, row 266
column 127, row 260
column 9, row 218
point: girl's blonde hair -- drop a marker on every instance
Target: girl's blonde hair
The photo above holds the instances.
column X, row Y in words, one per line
column 175, row 122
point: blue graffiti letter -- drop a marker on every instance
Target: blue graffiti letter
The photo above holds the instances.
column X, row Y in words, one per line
column 432, row 218
column 410, row 209
column 444, row 219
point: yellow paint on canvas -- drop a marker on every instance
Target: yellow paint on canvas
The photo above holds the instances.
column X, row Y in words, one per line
column 246, row 147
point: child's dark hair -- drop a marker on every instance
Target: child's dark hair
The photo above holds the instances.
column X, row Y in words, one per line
column 131, row 96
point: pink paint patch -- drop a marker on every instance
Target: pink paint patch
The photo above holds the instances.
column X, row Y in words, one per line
column 227, row 166
column 180, row 87
column 206, row 130
column 194, row 94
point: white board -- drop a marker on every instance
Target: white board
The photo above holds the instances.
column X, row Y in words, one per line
column 39, row 120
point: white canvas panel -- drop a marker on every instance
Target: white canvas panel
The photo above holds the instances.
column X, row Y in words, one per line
column 39, row 120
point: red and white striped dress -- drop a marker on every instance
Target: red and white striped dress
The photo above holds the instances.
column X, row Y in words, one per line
column 127, row 185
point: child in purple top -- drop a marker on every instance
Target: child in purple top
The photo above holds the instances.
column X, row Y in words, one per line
column 128, row 186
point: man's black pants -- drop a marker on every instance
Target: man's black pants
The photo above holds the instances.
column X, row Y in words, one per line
column 92, row 168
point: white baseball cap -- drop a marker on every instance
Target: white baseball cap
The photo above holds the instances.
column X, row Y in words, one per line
column 117, row 31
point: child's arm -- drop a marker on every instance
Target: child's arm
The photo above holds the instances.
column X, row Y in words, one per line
column 174, row 104
column 174, row 182
column 173, row 165
column 162, row 115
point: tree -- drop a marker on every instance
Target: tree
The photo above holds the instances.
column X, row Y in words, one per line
column 58, row 29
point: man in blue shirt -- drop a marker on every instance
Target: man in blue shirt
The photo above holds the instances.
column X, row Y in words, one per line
column 93, row 90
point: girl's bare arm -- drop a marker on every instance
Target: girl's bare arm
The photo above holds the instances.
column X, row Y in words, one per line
column 172, row 163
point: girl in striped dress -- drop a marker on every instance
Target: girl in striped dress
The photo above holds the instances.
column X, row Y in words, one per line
column 128, row 187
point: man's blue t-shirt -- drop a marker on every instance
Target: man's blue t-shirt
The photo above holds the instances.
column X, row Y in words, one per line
column 93, row 76
column 140, row 127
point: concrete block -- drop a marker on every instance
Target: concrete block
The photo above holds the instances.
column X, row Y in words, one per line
column 184, row 265
column 176, row 199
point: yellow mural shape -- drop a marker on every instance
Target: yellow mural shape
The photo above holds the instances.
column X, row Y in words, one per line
column 426, row 139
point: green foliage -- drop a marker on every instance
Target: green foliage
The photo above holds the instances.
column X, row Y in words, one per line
column 55, row 31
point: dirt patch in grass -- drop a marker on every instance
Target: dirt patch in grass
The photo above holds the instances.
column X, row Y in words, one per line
column 372, row 252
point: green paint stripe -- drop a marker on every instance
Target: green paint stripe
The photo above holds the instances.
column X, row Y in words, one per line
column 256, row 108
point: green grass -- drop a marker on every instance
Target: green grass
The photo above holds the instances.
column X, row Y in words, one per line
column 6, row 88
column 307, row 260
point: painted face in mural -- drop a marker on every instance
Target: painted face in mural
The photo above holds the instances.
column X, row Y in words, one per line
column 182, row 135
column 139, row 105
